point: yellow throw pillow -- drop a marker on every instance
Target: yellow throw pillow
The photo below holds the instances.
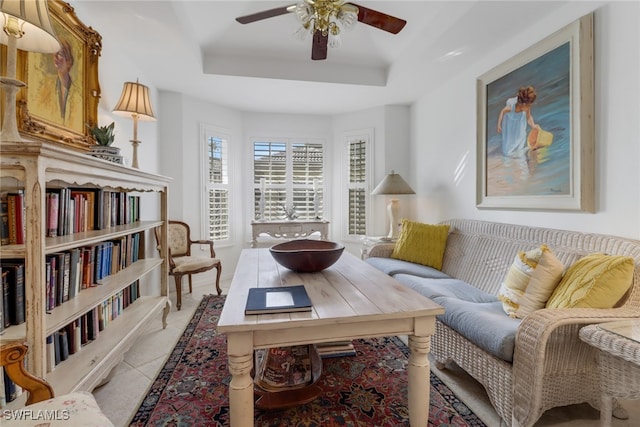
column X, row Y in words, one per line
column 544, row 279
column 421, row 243
column 594, row 281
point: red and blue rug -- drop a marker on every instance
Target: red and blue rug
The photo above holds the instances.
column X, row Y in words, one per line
column 369, row 389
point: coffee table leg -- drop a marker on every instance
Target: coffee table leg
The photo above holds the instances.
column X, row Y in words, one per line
column 240, row 350
column 419, row 384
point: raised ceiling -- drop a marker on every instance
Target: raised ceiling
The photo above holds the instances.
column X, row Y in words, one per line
column 197, row 48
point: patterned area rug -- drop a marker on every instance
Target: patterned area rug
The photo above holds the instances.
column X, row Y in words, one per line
column 368, row 389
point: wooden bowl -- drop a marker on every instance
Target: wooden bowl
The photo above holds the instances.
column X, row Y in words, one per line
column 307, row 256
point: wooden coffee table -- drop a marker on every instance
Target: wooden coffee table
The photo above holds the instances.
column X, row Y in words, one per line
column 350, row 300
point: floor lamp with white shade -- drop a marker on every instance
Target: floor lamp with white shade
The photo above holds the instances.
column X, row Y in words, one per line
column 393, row 184
column 25, row 26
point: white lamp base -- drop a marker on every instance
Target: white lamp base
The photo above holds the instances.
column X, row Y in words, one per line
column 392, row 209
column 134, row 162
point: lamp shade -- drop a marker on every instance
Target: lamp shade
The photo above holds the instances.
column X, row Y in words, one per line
column 28, row 21
column 393, row 184
column 135, row 101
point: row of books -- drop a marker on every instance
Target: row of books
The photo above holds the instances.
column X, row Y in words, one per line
column 12, row 304
column 336, row 349
column 67, row 273
column 85, row 329
column 75, row 210
column 12, row 222
column 68, row 211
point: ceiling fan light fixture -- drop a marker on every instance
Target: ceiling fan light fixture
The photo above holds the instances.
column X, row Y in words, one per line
column 334, row 40
column 304, row 12
column 347, row 17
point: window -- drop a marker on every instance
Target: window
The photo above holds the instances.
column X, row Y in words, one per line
column 217, row 183
column 288, row 174
column 359, row 153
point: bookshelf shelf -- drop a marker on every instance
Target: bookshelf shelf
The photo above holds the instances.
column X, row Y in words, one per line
column 88, row 368
column 88, row 298
column 63, row 243
column 37, row 168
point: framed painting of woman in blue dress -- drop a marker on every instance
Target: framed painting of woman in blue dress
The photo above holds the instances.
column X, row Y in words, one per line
column 62, row 93
column 535, row 126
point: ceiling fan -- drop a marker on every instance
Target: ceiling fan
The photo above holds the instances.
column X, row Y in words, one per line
column 325, row 18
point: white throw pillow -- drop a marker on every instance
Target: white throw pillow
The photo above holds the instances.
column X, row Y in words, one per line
column 539, row 267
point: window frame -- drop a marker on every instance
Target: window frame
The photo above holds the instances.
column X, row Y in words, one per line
column 225, row 135
column 288, row 186
column 367, row 136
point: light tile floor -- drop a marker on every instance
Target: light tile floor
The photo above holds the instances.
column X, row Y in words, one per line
column 128, row 384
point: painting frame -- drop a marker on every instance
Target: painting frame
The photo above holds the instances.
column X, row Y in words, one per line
column 575, row 170
column 86, row 47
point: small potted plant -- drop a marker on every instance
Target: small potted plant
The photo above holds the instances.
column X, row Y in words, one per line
column 104, row 137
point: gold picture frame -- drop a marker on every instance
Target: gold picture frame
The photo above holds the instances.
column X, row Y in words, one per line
column 535, row 126
column 49, row 110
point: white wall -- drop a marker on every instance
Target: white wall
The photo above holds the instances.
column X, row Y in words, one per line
column 432, row 143
column 444, row 125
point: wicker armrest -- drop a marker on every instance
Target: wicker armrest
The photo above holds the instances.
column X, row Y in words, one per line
column 381, row 250
column 548, row 343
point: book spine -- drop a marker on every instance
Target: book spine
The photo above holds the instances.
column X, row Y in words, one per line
column 4, row 218
column 53, row 203
column 66, row 276
column 11, row 215
column 19, row 214
column 51, row 354
column 6, row 296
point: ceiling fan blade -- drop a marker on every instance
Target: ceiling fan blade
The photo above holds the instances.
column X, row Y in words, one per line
column 319, row 47
column 258, row 16
column 380, row 20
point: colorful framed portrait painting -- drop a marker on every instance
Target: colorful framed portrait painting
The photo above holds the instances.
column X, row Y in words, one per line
column 60, row 101
column 535, row 126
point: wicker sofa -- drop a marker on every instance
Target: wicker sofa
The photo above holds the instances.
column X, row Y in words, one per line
column 550, row 366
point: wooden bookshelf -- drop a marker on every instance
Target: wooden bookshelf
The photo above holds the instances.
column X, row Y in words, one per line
column 35, row 166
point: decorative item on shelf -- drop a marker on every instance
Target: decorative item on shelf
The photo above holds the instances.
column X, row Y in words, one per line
column 289, row 212
column 135, row 101
column 393, row 184
column 104, row 137
column 26, row 26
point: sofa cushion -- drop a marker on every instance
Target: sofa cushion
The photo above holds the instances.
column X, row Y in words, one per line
column 484, row 324
column 544, row 280
column 594, row 281
column 421, row 243
column 538, row 269
column 449, row 287
column 393, row 266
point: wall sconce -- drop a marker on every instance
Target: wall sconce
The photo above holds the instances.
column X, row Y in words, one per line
column 135, row 101
column 393, row 184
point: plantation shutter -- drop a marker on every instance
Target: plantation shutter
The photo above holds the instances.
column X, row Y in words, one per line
column 288, row 173
column 218, row 187
column 357, row 187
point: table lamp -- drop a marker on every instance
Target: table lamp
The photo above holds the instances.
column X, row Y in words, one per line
column 135, row 101
column 393, row 184
column 25, row 26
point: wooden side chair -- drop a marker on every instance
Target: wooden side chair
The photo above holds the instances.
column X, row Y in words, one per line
column 181, row 262
column 74, row 409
